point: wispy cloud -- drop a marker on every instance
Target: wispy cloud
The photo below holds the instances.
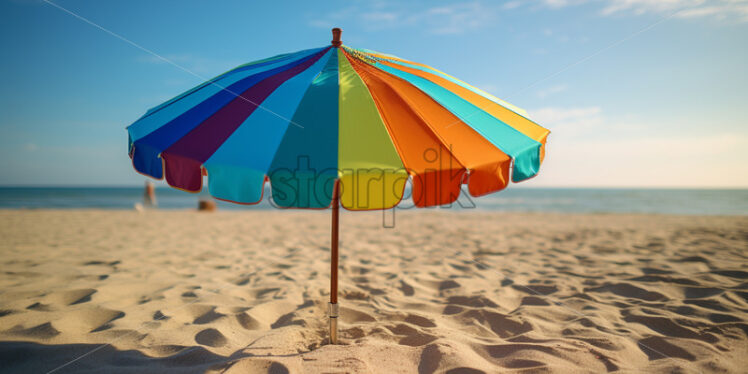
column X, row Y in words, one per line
column 657, row 161
column 588, row 148
column 454, row 18
column 568, row 119
column 465, row 17
column 552, row 90
column 512, row 4
column 459, row 18
column 561, row 3
column 727, row 10
column 646, row 6
column 736, row 10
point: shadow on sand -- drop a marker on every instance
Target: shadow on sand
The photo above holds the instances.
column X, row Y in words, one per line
column 27, row 357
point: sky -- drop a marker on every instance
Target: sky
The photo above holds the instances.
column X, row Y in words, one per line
column 636, row 93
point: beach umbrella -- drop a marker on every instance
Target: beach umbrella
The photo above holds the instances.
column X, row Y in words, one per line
column 335, row 126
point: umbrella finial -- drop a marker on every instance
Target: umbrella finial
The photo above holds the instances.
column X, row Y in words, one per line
column 336, row 37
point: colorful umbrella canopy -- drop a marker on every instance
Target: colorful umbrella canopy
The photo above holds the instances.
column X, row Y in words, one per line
column 337, row 126
column 305, row 119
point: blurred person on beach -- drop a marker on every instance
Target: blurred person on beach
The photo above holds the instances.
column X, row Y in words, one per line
column 149, row 197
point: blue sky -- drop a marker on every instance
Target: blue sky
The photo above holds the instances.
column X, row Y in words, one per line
column 648, row 93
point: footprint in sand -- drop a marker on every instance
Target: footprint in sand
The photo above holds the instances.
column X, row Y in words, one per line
column 709, row 304
column 506, row 350
column 261, row 293
column 522, row 364
column 354, row 295
column 535, row 289
column 211, row 338
column 158, row 316
column 41, row 332
column 6, row 312
column 92, row 319
column 406, row 289
column 256, row 365
column 534, row 301
column 664, row 279
column 353, row 333
column 288, row 320
column 667, row 327
column 72, row 297
column 739, row 274
column 464, row 370
column 658, row 348
column 348, row 315
column 627, row 290
column 448, row 284
column 435, row 357
column 502, row 325
column 419, row 321
column 410, row 336
column 204, row 314
column 471, row 301
column 701, row 292
column 166, row 350
column 40, row 307
column 247, row 321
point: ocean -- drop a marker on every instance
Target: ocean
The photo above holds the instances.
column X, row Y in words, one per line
column 565, row 200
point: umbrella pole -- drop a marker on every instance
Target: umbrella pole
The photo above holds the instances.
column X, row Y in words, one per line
column 334, row 265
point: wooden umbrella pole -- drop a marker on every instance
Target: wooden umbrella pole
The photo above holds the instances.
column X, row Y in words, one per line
column 334, row 238
column 334, row 264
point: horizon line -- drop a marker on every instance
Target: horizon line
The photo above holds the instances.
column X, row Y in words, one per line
column 514, row 186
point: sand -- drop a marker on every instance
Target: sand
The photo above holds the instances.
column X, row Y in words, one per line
column 442, row 292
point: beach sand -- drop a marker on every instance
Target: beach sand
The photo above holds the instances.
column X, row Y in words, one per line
column 445, row 292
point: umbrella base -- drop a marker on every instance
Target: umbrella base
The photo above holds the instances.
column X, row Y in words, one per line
column 333, row 323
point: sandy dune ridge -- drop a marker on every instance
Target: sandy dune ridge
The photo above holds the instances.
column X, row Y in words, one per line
column 442, row 292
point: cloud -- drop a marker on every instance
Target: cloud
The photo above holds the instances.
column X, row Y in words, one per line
column 736, row 10
column 586, row 148
column 454, row 18
column 561, row 3
column 647, row 6
column 512, row 4
column 551, row 91
column 711, row 160
column 568, row 119
column 30, row 147
column 720, row 12
column 459, row 18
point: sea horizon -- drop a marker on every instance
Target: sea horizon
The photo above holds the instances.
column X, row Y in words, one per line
column 653, row 200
